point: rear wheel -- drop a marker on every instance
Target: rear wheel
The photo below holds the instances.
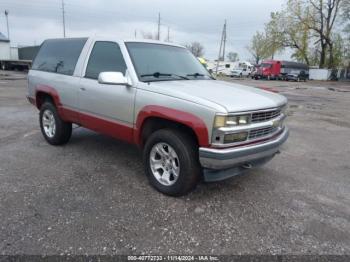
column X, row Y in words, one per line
column 171, row 162
column 54, row 129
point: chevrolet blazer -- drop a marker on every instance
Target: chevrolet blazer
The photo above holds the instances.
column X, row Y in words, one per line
column 156, row 95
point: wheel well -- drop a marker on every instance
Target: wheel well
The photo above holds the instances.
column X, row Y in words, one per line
column 153, row 124
column 41, row 97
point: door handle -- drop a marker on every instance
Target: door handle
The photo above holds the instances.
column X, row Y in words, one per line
column 82, row 88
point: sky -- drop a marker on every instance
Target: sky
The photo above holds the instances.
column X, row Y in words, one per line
column 33, row 21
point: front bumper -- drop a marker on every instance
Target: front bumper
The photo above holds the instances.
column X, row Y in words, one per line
column 221, row 159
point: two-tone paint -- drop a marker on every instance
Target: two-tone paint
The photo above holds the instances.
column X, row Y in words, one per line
column 120, row 111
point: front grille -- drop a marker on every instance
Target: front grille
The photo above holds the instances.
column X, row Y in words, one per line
column 265, row 116
column 256, row 133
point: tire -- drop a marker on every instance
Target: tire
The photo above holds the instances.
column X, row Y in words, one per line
column 61, row 131
column 188, row 167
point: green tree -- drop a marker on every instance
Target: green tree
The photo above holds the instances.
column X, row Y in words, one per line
column 338, row 51
column 258, row 47
column 274, row 35
column 320, row 18
column 346, row 36
column 297, row 34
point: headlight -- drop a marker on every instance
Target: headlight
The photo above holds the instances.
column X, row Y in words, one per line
column 227, row 121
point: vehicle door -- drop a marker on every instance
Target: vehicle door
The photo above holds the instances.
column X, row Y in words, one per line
column 244, row 72
column 103, row 107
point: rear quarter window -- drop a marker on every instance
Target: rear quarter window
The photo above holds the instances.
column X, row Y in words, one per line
column 59, row 55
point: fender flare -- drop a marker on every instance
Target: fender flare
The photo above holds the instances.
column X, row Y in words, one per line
column 50, row 91
column 65, row 114
column 187, row 119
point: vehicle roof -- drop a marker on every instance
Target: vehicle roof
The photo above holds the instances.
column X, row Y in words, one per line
column 151, row 42
column 133, row 40
column 107, row 38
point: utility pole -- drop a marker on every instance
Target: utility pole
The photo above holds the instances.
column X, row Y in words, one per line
column 135, row 33
column 222, row 48
column 168, row 38
column 223, row 52
column 158, row 36
column 7, row 24
column 63, row 19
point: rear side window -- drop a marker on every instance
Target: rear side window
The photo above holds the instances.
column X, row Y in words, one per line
column 105, row 57
column 59, row 55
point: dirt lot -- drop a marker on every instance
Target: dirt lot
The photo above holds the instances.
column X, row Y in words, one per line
column 91, row 196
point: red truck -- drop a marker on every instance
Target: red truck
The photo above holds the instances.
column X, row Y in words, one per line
column 285, row 70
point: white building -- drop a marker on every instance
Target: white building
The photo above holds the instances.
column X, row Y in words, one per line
column 7, row 52
column 5, row 49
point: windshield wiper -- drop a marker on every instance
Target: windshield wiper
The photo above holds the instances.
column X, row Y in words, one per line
column 195, row 74
column 199, row 74
column 158, row 74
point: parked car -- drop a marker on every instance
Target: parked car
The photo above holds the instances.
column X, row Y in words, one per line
column 294, row 71
column 297, row 76
column 240, row 72
column 156, row 95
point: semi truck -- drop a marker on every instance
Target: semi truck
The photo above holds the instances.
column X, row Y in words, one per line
column 15, row 64
column 283, row 70
column 15, row 58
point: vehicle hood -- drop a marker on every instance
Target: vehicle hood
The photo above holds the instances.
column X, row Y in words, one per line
column 230, row 96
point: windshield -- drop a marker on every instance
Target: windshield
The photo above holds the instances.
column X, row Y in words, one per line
column 264, row 65
column 157, row 62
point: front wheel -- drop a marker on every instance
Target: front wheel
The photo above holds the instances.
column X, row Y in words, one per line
column 54, row 129
column 171, row 162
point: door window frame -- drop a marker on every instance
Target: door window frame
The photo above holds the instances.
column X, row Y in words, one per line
column 86, row 63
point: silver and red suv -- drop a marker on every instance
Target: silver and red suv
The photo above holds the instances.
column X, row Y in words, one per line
column 158, row 96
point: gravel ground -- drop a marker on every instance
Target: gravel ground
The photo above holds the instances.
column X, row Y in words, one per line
column 91, row 196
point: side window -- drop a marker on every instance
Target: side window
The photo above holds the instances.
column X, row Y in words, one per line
column 105, row 57
column 59, row 55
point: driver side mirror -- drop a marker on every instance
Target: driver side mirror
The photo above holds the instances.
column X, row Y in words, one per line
column 113, row 78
